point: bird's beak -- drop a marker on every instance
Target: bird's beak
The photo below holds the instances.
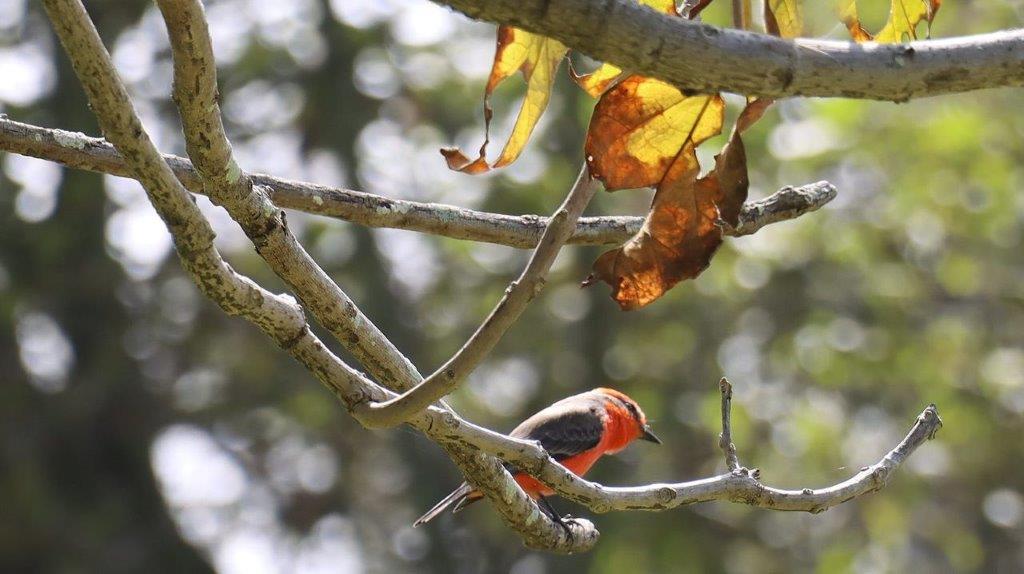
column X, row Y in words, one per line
column 649, row 435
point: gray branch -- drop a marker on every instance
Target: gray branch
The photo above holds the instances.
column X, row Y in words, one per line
column 195, row 93
column 76, row 150
column 739, row 485
column 703, row 58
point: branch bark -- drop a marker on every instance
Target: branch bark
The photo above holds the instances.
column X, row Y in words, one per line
column 195, row 93
column 706, row 59
column 79, row 151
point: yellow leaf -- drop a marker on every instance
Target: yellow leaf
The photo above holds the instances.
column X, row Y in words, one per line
column 642, row 125
column 784, row 18
column 537, row 58
column 595, row 83
column 904, row 16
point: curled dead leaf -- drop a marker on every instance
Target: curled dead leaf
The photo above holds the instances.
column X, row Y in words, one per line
column 538, row 58
column 683, row 228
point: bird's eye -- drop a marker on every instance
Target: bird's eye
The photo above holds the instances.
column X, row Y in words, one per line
column 632, row 410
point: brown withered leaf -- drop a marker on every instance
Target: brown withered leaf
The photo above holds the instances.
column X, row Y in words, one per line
column 683, row 229
column 537, row 58
column 595, row 83
column 642, row 126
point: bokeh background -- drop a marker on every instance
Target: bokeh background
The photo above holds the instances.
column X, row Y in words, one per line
column 142, row 430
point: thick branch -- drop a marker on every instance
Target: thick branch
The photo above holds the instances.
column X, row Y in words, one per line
column 517, row 296
column 706, row 59
column 524, row 231
column 195, row 92
column 278, row 316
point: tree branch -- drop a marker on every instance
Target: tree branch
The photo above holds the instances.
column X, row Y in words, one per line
column 76, row 150
column 705, row 59
column 517, row 296
column 278, row 316
column 732, row 461
column 739, row 485
column 195, row 93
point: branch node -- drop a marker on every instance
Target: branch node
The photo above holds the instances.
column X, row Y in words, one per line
column 451, row 422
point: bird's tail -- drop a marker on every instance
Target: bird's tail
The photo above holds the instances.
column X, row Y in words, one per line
column 460, row 497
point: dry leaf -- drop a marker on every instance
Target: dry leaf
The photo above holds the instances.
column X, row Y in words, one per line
column 683, row 229
column 537, row 58
column 848, row 15
column 641, row 126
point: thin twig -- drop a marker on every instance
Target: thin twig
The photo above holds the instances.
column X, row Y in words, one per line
column 94, row 154
column 732, row 460
column 517, row 296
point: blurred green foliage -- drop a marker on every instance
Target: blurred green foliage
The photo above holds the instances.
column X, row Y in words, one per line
column 143, row 430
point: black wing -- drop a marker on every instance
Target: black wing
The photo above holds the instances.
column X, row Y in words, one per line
column 564, row 432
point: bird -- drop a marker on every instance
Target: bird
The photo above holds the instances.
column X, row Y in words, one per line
column 575, row 431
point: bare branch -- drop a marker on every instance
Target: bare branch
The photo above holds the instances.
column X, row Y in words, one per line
column 703, row 58
column 517, row 296
column 195, row 92
column 739, row 485
column 94, row 154
column 278, row 316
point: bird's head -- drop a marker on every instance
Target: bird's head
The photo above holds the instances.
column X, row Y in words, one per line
column 624, row 408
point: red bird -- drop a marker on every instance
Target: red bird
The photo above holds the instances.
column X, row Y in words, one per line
column 575, row 431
